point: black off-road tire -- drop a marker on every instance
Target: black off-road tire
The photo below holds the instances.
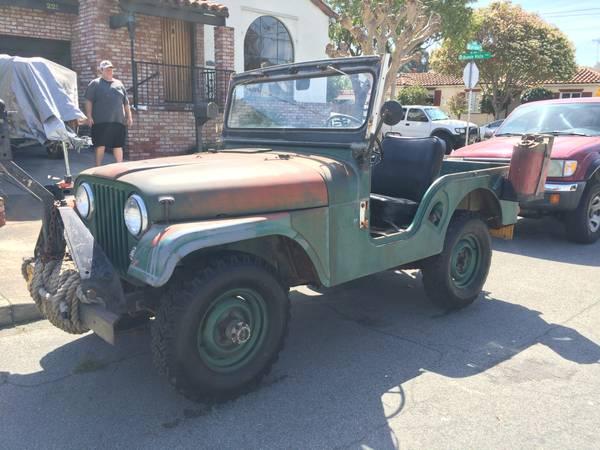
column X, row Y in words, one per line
column 442, row 288
column 577, row 222
column 184, row 306
column 448, row 140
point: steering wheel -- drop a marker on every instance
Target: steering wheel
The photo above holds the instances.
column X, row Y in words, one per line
column 342, row 121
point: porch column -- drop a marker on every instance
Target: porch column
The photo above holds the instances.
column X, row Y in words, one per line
column 224, row 60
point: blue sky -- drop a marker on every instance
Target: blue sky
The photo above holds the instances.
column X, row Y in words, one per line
column 578, row 19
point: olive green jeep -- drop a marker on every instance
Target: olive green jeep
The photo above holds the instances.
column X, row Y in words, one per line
column 303, row 193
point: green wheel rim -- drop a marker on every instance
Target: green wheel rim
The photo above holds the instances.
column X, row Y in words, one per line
column 232, row 330
column 466, row 261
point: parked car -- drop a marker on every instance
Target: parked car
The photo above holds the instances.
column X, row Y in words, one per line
column 487, row 131
column 209, row 244
column 423, row 121
column 572, row 189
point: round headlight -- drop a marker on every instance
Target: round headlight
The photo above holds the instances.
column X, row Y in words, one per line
column 84, row 200
column 136, row 215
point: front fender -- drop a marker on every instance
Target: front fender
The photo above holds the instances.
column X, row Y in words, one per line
column 163, row 246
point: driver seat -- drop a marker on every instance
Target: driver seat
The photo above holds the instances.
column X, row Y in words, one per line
column 399, row 181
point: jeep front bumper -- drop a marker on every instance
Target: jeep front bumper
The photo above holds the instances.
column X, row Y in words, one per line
column 99, row 281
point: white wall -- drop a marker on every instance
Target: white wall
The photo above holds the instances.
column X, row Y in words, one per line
column 308, row 27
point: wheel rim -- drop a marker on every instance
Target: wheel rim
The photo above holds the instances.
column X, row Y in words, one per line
column 232, row 330
column 594, row 214
column 466, row 261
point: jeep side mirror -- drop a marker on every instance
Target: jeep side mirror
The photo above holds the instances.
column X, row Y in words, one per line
column 391, row 112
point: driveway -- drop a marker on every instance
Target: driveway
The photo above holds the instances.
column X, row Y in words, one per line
column 22, row 206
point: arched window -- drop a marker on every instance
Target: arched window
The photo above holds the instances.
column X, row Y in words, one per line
column 267, row 43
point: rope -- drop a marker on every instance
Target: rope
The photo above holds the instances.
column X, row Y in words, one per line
column 55, row 288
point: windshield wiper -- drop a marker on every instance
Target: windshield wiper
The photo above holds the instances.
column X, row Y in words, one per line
column 564, row 133
column 509, row 134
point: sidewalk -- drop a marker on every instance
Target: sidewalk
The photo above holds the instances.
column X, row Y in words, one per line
column 17, row 240
column 19, row 235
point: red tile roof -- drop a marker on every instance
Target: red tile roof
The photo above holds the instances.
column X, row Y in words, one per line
column 204, row 5
column 584, row 75
column 427, row 79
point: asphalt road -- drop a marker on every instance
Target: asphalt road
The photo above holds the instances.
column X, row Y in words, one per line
column 370, row 364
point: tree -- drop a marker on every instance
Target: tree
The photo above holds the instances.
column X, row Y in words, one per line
column 536, row 93
column 526, row 51
column 414, row 95
column 457, row 104
column 398, row 27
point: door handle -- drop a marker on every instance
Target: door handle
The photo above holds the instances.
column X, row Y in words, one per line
column 407, row 124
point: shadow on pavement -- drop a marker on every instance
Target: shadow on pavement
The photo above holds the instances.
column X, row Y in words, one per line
column 546, row 238
column 339, row 380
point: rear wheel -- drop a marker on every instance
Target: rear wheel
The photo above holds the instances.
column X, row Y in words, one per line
column 454, row 278
column 218, row 332
column 583, row 224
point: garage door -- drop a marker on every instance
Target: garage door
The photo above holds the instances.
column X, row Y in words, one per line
column 57, row 51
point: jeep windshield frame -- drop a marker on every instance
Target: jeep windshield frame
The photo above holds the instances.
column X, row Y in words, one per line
column 235, row 135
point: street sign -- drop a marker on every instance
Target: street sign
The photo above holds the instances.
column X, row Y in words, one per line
column 470, row 78
column 474, row 46
column 471, row 75
column 474, row 55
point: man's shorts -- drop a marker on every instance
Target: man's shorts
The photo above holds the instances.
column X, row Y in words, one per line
column 110, row 134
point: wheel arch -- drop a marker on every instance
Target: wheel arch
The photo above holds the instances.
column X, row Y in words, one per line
column 486, row 203
column 285, row 255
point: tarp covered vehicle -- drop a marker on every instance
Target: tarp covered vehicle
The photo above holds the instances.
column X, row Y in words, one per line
column 41, row 97
column 209, row 244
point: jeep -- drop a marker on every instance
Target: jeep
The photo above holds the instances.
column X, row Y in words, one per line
column 209, row 244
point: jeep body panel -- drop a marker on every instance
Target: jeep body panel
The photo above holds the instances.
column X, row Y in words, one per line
column 338, row 248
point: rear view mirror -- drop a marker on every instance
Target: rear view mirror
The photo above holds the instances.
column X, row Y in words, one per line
column 302, row 84
column 391, row 112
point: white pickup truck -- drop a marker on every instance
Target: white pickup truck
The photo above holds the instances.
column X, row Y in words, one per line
column 424, row 121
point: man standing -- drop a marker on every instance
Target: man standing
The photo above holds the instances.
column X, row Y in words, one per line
column 108, row 112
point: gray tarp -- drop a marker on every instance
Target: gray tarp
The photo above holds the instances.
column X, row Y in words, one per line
column 41, row 95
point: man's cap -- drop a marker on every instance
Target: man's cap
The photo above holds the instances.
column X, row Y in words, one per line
column 105, row 64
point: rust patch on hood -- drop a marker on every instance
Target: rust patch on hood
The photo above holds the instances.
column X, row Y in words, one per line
column 214, row 185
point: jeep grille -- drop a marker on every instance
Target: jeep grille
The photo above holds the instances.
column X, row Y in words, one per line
column 109, row 225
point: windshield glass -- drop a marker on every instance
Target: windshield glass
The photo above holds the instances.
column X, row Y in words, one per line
column 559, row 118
column 436, row 114
column 335, row 101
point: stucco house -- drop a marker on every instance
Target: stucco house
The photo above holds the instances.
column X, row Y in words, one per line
column 172, row 55
column 585, row 83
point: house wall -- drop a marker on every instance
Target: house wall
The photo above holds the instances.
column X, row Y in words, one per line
column 594, row 89
column 449, row 91
column 306, row 23
column 24, row 22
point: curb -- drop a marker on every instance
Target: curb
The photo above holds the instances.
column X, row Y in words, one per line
column 11, row 315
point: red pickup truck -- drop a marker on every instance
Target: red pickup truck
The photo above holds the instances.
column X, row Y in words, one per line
column 572, row 190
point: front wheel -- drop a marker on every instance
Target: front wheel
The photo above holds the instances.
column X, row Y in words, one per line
column 448, row 140
column 454, row 278
column 583, row 224
column 219, row 331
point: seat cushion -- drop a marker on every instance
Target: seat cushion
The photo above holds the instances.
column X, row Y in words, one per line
column 392, row 212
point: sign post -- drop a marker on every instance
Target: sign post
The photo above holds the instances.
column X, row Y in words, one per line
column 470, row 78
column 471, row 74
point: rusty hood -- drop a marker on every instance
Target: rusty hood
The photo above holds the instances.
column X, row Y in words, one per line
column 207, row 185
